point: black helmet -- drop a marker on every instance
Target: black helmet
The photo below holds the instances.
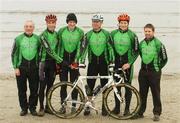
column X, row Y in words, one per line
column 71, row 17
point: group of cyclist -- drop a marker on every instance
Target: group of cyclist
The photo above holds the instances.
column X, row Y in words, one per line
column 40, row 58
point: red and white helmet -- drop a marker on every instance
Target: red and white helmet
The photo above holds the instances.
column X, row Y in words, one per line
column 123, row 17
column 51, row 17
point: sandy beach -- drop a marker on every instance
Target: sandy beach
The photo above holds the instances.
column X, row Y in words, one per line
column 170, row 96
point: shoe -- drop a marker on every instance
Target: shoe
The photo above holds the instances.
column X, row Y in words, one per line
column 47, row 110
column 116, row 111
column 41, row 112
column 137, row 116
column 126, row 112
column 23, row 112
column 156, row 117
column 62, row 110
column 87, row 111
column 33, row 112
column 73, row 110
column 104, row 112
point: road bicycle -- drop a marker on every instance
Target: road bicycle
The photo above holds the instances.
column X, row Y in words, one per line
column 73, row 107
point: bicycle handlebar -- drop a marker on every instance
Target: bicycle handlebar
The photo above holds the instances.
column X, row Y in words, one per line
column 111, row 70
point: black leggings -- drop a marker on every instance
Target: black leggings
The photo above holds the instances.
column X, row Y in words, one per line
column 64, row 78
column 128, row 93
column 119, row 62
column 74, row 73
column 47, row 74
column 97, row 66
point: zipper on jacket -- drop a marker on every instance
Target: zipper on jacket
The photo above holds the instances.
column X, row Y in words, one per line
column 120, row 59
column 29, row 64
column 29, row 52
column 69, row 57
column 97, row 59
column 146, row 67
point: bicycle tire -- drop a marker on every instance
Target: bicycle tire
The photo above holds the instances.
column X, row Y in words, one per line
column 117, row 116
column 65, row 115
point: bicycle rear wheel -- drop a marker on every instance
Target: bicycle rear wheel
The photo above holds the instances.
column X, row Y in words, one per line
column 126, row 109
column 62, row 106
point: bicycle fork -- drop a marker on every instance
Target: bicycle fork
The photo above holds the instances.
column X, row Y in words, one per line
column 117, row 94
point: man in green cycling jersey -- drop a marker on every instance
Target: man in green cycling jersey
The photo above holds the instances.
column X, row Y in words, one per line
column 48, row 59
column 97, row 43
column 25, row 63
column 154, row 58
column 125, row 44
column 70, row 38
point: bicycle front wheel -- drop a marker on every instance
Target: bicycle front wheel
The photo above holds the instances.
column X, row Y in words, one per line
column 65, row 101
column 128, row 105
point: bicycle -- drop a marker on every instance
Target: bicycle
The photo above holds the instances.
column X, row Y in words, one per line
column 82, row 101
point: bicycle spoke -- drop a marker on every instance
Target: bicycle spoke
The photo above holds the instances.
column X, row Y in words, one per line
column 125, row 109
column 63, row 107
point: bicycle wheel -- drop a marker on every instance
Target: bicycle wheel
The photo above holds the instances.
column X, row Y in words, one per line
column 125, row 109
column 62, row 106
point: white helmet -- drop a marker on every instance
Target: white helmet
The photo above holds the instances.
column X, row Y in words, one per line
column 97, row 17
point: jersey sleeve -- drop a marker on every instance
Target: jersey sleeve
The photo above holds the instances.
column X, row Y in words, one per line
column 163, row 58
column 15, row 54
column 78, row 53
column 84, row 48
column 52, row 53
column 134, row 48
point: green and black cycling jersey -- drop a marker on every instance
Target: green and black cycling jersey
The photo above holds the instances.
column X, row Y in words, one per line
column 97, row 43
column 25, row 47
column 125, row 43
column 70, row 41
column 153, row 54
column 49, row 46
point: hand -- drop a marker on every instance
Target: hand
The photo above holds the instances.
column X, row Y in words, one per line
column 74, row 65
column 57, row 69
column 17, row 72
column 57, row 66
column 126, row 66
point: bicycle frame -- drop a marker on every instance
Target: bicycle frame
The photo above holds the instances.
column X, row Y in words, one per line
column 108, row 84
